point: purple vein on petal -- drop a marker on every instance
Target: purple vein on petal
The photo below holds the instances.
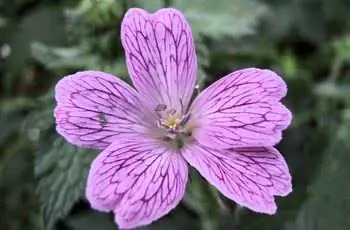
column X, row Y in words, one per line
column 249, row 176
column 160, row 55
column 242, row 109
column 93, row 108
column 139, row 179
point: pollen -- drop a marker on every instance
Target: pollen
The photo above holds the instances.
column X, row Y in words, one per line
column 172, row 122
column 172, row 126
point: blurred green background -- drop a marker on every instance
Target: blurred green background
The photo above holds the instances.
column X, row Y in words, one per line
column 42, row 177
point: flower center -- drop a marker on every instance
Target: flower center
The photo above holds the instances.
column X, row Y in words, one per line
column 172, row 123
column 173, row 126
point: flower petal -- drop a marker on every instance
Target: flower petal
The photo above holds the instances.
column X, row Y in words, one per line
column 241, row 110
column 137, row 178
column 160, row 55
column 93, row 108
column 249, row 176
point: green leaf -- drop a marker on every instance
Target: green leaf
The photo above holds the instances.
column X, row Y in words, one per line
column 34, row 27
column 216, row 19
column 3, row 22
column 332, row 90
column 202, row 198
column 11, row 117
column 19, row 205
column 342, row 48
column 61, row 171
column 203, row 62
column 91, row 220
column 328, row 206
column 175, row 220
column 75, row 58
column 98, row 12
column 289, row 65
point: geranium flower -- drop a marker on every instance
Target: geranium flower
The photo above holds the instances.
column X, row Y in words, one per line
column 151, row 133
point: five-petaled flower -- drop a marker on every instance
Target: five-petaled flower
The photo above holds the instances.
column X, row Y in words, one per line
column 149, row 135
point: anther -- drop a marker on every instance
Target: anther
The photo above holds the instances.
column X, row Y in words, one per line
column 182, row 106
column 166, row 138
column 160, row 108
column 171, row 111
column 185, row 119
column 197, row 90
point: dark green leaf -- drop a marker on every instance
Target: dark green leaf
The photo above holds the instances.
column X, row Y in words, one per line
column 217, row 18
column 75, row 58
column 61, row 171
column 328, row 205
column 35, row 27
column 332, row 90
column 91, row 220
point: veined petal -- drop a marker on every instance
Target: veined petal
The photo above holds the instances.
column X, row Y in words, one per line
column 160, row 55
column 94, row 108
column 242, row 109
column 249, row 176
column 138, row 179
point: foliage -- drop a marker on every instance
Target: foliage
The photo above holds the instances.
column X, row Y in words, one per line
column 333, row 171
column 42, row 176
column 61, row 170
column 213, row 18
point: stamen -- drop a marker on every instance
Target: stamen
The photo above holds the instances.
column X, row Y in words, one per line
column 196, row 87
column 197, row 90
column 195, row 93
column 160, row 123
column 182, row 106
column 185, row 119
column 160, row 108
column 172, row 111
column 173, row 125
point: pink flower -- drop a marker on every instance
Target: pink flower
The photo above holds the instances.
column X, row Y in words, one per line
column 151, row 133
